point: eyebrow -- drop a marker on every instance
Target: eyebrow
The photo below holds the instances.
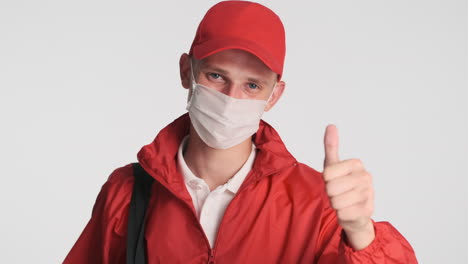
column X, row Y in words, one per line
column 213, row 68
column 216, row 69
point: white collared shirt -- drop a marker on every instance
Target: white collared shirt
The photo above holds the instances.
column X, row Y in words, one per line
column 210, row 206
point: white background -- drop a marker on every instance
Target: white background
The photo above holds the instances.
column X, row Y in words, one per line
column 85, row 84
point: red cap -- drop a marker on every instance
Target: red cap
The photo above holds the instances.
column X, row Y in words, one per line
column 242, row 25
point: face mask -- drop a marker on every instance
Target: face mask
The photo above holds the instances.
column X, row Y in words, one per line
column 220, row 120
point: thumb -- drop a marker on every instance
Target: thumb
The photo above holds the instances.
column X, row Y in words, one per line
column 331, row 145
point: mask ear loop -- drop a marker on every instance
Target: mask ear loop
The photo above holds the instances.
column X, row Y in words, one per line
column 274, row 87
column 191, row 73
column 193, row 84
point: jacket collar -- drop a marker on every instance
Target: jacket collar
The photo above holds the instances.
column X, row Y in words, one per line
column 159, row 158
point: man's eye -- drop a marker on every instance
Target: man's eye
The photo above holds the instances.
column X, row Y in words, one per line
column 215, row 75
column 253, row 86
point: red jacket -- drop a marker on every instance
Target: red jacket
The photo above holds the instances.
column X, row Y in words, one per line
column 281, row 214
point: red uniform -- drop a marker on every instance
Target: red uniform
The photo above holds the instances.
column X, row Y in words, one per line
column 280, row 214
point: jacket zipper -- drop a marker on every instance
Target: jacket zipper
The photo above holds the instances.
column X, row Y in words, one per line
column 211, row 257
column 212, row 251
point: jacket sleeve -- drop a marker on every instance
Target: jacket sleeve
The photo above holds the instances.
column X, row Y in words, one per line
column 388, row 246
column 103, row 239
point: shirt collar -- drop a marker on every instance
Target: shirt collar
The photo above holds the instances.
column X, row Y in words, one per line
column 232, row 184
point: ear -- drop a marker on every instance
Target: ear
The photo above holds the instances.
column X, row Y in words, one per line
column 184, row 66
column 277, row 93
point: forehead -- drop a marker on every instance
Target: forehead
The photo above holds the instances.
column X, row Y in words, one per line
column 238, row 61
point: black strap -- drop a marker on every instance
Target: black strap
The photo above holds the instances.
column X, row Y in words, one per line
column 136, row 246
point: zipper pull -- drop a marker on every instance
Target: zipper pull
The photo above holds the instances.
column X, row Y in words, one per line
column 211, row 257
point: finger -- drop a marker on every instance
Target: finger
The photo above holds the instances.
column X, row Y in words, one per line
column 342, row 168
column 362, row 210
column 353, row 180
column 351, row 198
column 352, row 213
column 331, row 145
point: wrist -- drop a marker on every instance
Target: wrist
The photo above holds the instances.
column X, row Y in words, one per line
column 359, row 240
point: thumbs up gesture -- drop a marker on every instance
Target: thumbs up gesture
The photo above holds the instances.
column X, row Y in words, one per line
column 349, row 188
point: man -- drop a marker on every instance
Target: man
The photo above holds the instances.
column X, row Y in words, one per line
column 226, row 188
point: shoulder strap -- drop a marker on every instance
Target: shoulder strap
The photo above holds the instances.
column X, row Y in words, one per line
column 136, row 246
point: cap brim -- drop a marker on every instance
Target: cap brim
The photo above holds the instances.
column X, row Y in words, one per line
column 210, row 47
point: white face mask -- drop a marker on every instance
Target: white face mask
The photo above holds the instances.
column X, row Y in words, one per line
column 220, row 120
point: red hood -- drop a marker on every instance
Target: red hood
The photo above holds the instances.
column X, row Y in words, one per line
column 159, row 158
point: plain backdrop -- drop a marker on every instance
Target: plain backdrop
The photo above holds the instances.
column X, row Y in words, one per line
column 85, row 84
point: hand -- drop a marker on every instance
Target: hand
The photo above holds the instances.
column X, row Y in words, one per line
column 349, row 188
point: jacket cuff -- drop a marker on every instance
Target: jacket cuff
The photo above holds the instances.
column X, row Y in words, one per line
column 368, row 251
